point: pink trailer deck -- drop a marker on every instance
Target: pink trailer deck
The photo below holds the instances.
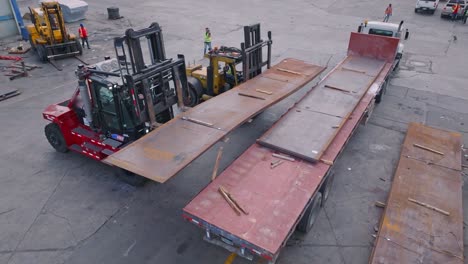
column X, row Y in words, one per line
column 278, row 198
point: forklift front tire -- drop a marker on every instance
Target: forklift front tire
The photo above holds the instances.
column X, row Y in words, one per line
column 55, row 137
column 42, row 53
column 191, row 99
column 131, row 178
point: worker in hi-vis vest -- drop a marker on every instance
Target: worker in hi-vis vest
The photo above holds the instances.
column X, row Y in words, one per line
column 83, row 35
column 207, row 40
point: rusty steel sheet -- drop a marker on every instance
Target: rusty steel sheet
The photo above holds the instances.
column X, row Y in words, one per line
column 274, row 197
column 423, row 217
column 168, row 149
column 306, row 130
column 445, row 142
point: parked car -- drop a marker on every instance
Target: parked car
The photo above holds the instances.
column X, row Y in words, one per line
column 447, row 10
column 429, row 6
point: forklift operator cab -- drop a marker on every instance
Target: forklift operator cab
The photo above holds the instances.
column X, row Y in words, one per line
column 113, row 109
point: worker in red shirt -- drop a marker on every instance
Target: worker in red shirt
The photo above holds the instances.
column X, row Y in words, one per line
column 388, row 13
column 83, row 35
column 455, row 9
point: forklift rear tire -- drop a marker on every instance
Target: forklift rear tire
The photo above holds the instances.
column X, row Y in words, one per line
column 131, row 178
column 310, row 215
column 55, row 137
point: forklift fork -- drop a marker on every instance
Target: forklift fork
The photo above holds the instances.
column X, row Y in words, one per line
column 252, row 53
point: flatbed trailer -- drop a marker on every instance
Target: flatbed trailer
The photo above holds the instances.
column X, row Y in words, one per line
column 281, row 198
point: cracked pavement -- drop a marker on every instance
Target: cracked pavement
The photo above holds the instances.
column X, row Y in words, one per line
column 64, row 208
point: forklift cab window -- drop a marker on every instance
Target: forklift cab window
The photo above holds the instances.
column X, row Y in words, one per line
column 106, row 106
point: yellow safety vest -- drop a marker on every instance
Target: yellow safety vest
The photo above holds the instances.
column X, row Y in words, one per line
column 207, row 37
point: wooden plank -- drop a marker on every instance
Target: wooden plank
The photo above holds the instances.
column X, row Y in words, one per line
column 216, row 166
column 307, row 129
column 423, row 218
column 169, row 148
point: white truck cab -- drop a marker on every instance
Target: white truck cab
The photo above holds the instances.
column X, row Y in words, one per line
column 388, row 30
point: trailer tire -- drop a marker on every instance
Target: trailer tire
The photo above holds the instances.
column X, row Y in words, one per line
column 383, row 90
column 310, row 215
column 326, row 187
column 55, row 137
column 131, row 178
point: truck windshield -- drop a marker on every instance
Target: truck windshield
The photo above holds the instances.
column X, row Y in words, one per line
column 381, row 32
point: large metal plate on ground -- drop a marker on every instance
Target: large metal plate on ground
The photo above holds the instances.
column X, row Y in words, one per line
column 275, row 197
column 413, row 233
column 446, row 142
column 168, row 149
column 308, row 128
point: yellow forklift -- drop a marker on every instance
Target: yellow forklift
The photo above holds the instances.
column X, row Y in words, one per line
column 48, row 35
column 222, row 73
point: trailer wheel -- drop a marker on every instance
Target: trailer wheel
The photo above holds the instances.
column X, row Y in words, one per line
column 131, row 178
column 55, row 137
column 310, row 215
column 383, row 90
column 326, row 187
column 397, row 65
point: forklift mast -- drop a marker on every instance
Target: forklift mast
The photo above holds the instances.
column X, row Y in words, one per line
column 251, row 56
column 54, row 20
column 145, row 70
column 252, row 52
column 136, row 92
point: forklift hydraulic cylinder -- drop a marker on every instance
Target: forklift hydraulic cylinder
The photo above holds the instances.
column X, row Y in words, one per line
column 85, row 97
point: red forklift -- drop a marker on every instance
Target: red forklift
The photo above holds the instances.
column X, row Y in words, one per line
column 119, row 100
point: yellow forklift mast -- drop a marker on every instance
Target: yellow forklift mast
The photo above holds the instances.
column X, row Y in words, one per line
column 222, row 73
column 48, row 34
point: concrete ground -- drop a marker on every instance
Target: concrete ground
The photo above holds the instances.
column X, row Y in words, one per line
column 65, row 208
